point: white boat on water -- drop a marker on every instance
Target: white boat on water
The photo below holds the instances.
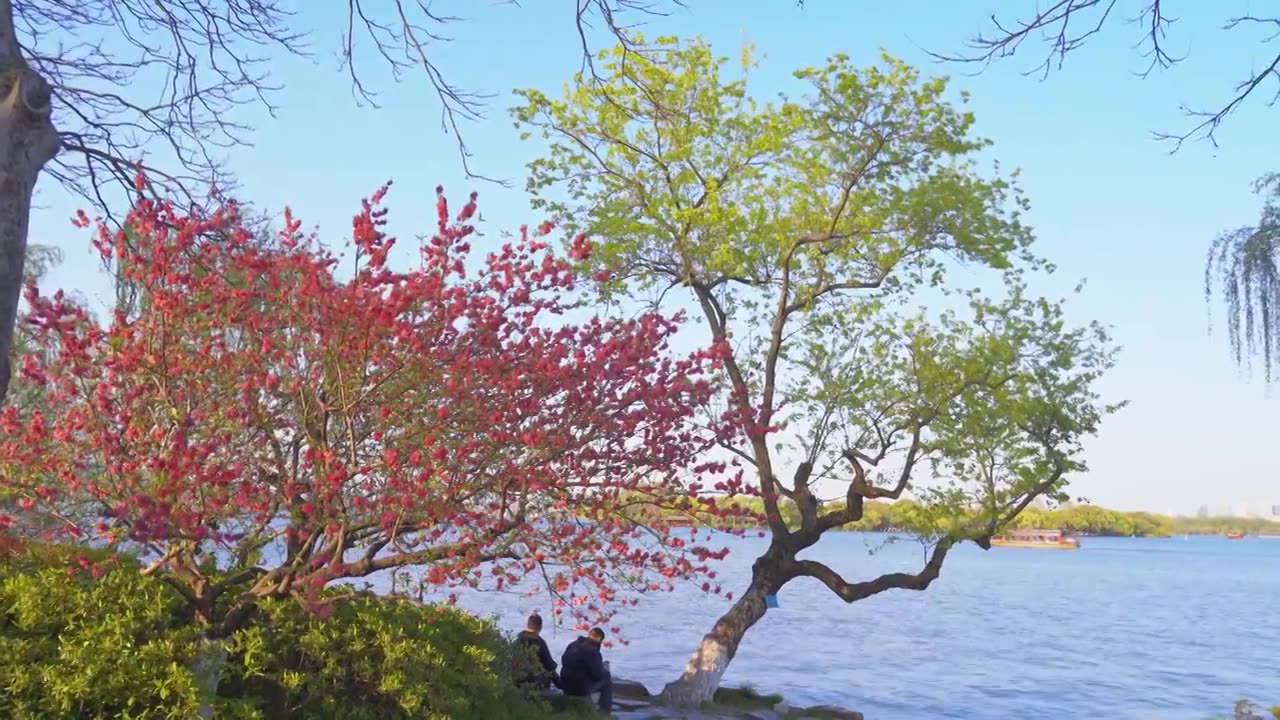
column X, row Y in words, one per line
column 1043, row 539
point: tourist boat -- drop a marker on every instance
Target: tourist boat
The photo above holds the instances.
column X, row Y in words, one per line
column 1044, row 539
column 1233, row 535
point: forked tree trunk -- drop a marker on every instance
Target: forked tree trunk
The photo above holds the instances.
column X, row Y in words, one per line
column 28, row 140
column 702, row 674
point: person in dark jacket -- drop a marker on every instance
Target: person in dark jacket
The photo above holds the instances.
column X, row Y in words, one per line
column 583, row 671
column 534, row 667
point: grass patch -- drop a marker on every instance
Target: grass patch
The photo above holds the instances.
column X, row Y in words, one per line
column 745, row 697
column 572, row 708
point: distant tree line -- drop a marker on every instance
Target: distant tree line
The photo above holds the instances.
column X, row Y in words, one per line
column 908, row 515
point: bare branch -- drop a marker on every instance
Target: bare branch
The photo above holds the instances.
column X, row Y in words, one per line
column 610, row 12
column 195, row 62
column 138, row 81
column 1067, row 25
column 1211, row 120
column 1056, row 25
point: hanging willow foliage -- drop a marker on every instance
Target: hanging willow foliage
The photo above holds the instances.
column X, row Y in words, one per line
column 1244, row 263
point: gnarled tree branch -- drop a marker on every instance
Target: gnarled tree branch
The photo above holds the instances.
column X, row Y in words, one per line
column 853, row 592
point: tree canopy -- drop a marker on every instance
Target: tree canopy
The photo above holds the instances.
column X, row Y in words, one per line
column 1242, row 262
column 95, row 90
column 264, row 421
column 806, row 232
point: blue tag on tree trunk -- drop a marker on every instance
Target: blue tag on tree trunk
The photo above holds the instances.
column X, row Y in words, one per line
column 771, row 601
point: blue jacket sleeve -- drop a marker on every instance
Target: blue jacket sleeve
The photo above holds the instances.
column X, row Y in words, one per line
column 544, row 656
column 595, row 665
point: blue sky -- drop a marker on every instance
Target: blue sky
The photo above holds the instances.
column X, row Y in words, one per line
column 1110, row 204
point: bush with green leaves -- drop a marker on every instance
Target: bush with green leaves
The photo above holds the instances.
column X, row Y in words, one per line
column 78, row 647
column 374, row 657
column 121, row 646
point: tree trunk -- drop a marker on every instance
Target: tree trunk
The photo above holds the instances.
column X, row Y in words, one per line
column 211, row 656
column 28, row 140
column 702, row 675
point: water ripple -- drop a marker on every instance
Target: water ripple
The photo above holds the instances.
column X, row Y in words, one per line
column 1123, row 629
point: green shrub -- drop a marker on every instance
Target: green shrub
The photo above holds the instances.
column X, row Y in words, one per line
column 121, row 646
column 375, row 658
column 77, row 648
column 18, row 556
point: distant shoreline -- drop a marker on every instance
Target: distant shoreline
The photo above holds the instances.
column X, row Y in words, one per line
column 907, row 531
column 903, row 517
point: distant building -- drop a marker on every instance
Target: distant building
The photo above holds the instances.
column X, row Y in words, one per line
column 1203, row 512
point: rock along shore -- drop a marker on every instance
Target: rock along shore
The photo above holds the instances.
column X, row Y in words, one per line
column 633, row 701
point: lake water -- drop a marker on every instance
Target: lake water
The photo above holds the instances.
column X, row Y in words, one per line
column 1123, row 629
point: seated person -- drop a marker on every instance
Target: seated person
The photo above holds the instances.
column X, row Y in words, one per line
column 582, row 670
column 534, row 667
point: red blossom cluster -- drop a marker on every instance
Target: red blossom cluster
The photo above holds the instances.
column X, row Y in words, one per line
column 447, row 417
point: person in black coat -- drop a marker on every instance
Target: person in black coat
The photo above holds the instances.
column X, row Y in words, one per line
column 583, row 672
column 534, row 667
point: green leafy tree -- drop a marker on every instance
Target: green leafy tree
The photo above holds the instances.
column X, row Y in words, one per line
column 807, row 232
column 1242, row 262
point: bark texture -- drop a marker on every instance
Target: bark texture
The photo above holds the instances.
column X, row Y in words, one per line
column 705, row 669
column 28, row 140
